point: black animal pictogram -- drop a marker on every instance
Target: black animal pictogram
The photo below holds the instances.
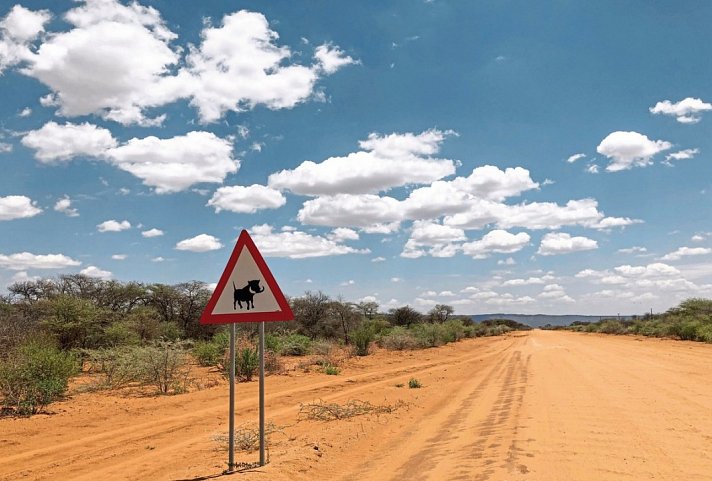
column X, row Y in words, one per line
column 246, row 294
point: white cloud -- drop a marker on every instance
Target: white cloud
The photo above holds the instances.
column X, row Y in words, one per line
column 685, row 252
column 630, row 149
column 17, row 207
column 610, row 222
column 113, row 226
column 686, row 111
column 238, row 66
column 633, row 250
column 129, row 53
column 297, row 244
column 506, row 262
column 54, row 143
column 135, row 67
column 199, row 243
column 25, row 260
column 575, row 157
column 246, row 200
column 685, row 154
column 341, row 234
column 396, row 279
column 344, row 210
column 93, row 271
column 496, row 241
column 524, row 282
column 158, row 259
column 535, row 215
column 592, row 169
column 174, row 164
column 331, row 58
column 434, row 239
column 5, row 148
column 64, row 205
column 555, row 243
column 385, row 162
column 26, row 112
column 378, row 259
column 17, row 30
column 152, row 233
column 119, row 257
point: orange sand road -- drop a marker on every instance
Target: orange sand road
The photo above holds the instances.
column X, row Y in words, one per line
column 538, row 406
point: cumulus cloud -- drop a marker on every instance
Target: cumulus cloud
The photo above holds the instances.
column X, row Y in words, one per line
column 383, row 163
column 555, row 243
column 298, row 245
column 54, row 143
column 434, row 239
column 685, row 252
column 247, row 200
column 341, row 234
column 119, row 257
column 152, row 233
column 630, row 149
column 496, row 241
column 524, row 282
column 17, row 30
column 331, row 58
column 93, row 271
column 64, row 205
column 199, row 243
column 369, row 212
column 174, row 164
column 685, row 154
column 575, row 157
column 686, row 111
column 17, row 207
column 135, row 66
column 25, row 260
column 113, row 226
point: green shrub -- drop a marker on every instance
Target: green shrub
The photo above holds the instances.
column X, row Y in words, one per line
column 247, row 362
column 611, row 327
column 453, row 330
column 331, row 370
column 295, row 345
column 119, row 365
column 208, row 353
column 322, row 347
column 704, row 332
column 469, row 331
column 362, row 338
column 413, row 383
column 121, row 334
column 398, row 339
column 165, row 366
column 34, row 375
column 429, row 335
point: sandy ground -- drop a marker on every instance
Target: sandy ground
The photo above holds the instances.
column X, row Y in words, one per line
column 538, row 406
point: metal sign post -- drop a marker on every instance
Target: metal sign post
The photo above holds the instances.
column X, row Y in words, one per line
column 231, row 422
column 262, row 393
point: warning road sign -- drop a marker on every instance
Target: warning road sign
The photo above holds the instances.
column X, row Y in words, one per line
column 247, row 291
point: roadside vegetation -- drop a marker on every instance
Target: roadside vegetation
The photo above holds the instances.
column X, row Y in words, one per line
column 689, row 321
column 148, row 336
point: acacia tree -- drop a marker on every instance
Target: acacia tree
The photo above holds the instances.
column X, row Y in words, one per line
column 440, row 313
column 368, row 309
column 311, row 312
column 346, row 315
column 404, row 316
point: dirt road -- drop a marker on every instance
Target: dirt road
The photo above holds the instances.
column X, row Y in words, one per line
column 538, row 406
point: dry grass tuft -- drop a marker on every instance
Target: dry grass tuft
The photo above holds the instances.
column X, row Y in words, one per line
column 321, row 411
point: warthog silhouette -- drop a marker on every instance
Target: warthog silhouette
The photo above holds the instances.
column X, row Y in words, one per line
column 246, row 294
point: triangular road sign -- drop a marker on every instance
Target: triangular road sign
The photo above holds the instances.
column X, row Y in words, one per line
column 247, row 291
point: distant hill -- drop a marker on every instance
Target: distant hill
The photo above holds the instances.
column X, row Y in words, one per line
column 538, row 320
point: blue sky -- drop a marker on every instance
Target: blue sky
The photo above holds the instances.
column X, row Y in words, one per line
column 486, row 155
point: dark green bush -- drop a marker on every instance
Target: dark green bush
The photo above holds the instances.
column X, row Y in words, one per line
column 362, row 338
column 294, row 345
column 34, row 375
column 398, row 339
column 247, row 362
column 208, row 353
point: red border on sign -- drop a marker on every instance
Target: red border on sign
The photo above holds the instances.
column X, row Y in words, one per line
column 283, row 314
